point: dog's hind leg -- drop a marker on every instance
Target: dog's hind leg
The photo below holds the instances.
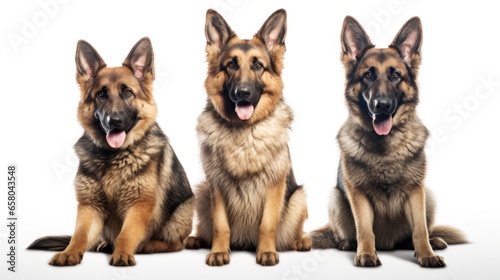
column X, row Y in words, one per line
column 441, row 235
column 291, row 228
column 157, row 246
column 204, row 226
column 175, row 231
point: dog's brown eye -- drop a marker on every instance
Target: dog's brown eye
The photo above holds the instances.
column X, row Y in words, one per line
column 396, row 75
column 103, row 93
column 231, row 65
column 127, row 93
column 368, row 75
column 258, row 66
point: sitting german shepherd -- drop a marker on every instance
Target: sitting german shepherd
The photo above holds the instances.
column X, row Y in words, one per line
column 133, row 194
column 249, row 200
column 380, row 201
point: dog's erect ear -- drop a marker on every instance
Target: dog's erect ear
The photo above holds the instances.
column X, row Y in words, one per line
column 353, row 38
column 273, row 31
column 409, row 39
column 88, row 61
column 141, row 59
column 217, row 31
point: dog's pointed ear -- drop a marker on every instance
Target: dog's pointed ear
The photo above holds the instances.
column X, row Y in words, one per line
column 353, row 38
column 141, row 59
column 88, row 61
column 273, row 31
column 217, row 31
column 409, row 39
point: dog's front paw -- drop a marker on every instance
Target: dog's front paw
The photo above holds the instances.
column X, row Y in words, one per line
column 367, row 260
column 430, row 261
column 268, row 258
column 66, row 258
column 217, row 259
column 122, row 259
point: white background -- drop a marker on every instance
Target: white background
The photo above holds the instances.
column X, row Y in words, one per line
column 39, row 126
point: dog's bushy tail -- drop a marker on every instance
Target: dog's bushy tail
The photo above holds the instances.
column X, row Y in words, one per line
column 323, row 238
column 50, row 243
column 449, row 234
column 59, row 243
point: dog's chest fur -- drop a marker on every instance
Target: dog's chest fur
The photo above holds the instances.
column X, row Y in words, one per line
column 245, row 151
column 115, row 179
column 384, row 168
column 242, row 163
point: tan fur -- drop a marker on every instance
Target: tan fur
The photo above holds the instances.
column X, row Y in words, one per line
column 243, row 202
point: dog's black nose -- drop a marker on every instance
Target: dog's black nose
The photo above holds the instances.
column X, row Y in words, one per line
column 383, row 105
column 242, row 93
column 115, row 121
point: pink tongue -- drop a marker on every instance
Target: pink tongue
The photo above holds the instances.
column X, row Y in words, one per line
column 244, row 112
column 116, row 138
column 383, row 127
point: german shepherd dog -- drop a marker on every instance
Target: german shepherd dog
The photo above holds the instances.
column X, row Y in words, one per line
column 249, row 200
column 133, row 194
column 380, row 201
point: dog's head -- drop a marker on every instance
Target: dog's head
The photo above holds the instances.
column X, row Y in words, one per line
column 244, row 76
column 116, row 105
column 381, row 89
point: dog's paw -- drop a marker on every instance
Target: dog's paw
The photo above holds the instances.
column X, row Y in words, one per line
column 217, row 259
column 104, row 247
column 438, row 243
column 347, row 245
column 156, row 246
column 367, row 260
column 192, row 243
column 304, row 244
column 66, row 259
column 268, row 258
column 118, row 259
column 430, row 261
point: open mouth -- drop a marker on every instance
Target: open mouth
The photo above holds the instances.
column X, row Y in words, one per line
column 115, row 138
column 116, row 130
column 244, row 110
column 382, row 124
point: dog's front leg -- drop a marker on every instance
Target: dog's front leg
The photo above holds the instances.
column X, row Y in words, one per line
column 219, row 255
column 134, row 229
column 88, row 228
column 273, row 204
column 417, row 217
column 363, row 217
